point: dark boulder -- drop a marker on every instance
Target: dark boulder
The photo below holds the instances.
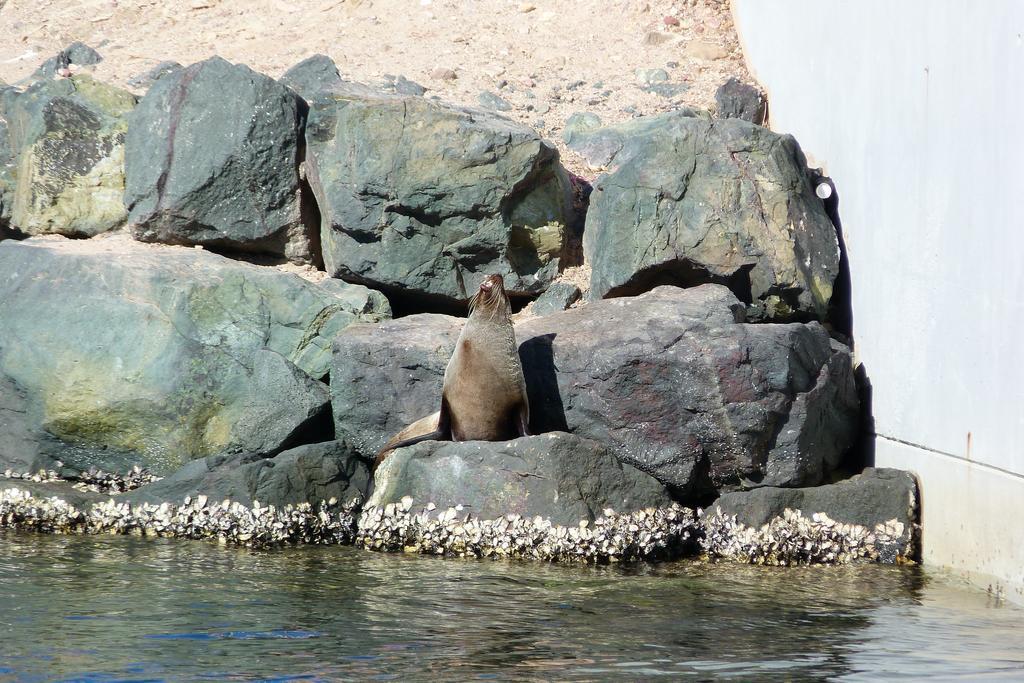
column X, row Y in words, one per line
column 166, row 354
column 421, row 200
column 77, row 53
column 735, row 99
column 305, row 474
column 672, row 381
column 557, row 476
column 689, row 200
column 65, row 169
column 212, row 158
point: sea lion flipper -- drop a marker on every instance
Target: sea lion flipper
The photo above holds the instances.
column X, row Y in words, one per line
column 408, row 436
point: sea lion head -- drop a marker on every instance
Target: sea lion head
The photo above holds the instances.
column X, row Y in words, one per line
column 491, row 300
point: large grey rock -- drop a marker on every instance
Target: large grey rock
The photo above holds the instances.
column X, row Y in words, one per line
column 672, row 381
column 306, row 474
column 157, row 352
column 869, row 499
column 422, row 200
column 66, row 145
column 212, row 157
column 688, row 200
column 557, row 476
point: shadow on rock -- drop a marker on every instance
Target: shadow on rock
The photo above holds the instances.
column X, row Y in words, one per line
column 547, row 413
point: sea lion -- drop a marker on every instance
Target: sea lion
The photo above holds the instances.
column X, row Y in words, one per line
column 484, row 393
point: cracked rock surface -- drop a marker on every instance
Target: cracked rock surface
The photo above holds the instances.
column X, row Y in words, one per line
column 689, row 200
column 423, row 199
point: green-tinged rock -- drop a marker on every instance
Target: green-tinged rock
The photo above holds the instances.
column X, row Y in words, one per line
column 164, row 352
column 689, row 200
column 558, row 476
column 66, row 138
column 423, row 200
column 212, row 157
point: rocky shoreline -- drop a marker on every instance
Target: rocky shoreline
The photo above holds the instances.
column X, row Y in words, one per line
column 219, row 301
column 649, row 534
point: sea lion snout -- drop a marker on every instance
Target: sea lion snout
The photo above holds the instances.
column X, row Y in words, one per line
column 492, row 281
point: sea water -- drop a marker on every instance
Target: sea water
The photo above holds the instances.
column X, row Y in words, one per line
column 117, row 608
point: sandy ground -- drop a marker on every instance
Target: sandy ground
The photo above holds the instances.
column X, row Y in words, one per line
column 547, row 59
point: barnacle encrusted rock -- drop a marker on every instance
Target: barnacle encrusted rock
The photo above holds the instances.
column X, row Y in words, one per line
column 644, row 534
column 560, row 477
column 794, row 539
column 872, row 516
column 651, row 533
column 197, row 518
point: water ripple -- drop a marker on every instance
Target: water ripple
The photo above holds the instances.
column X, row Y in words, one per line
column 105, row 609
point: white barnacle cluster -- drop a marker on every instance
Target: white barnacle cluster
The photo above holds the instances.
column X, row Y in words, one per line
column 40, row 476
column 225, row 522
column 20, row 510
column 93, row 480
column 98, row 481
column 644, row 534
column 792, row 539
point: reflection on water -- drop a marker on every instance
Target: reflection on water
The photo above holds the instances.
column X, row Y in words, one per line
column 116, row 608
